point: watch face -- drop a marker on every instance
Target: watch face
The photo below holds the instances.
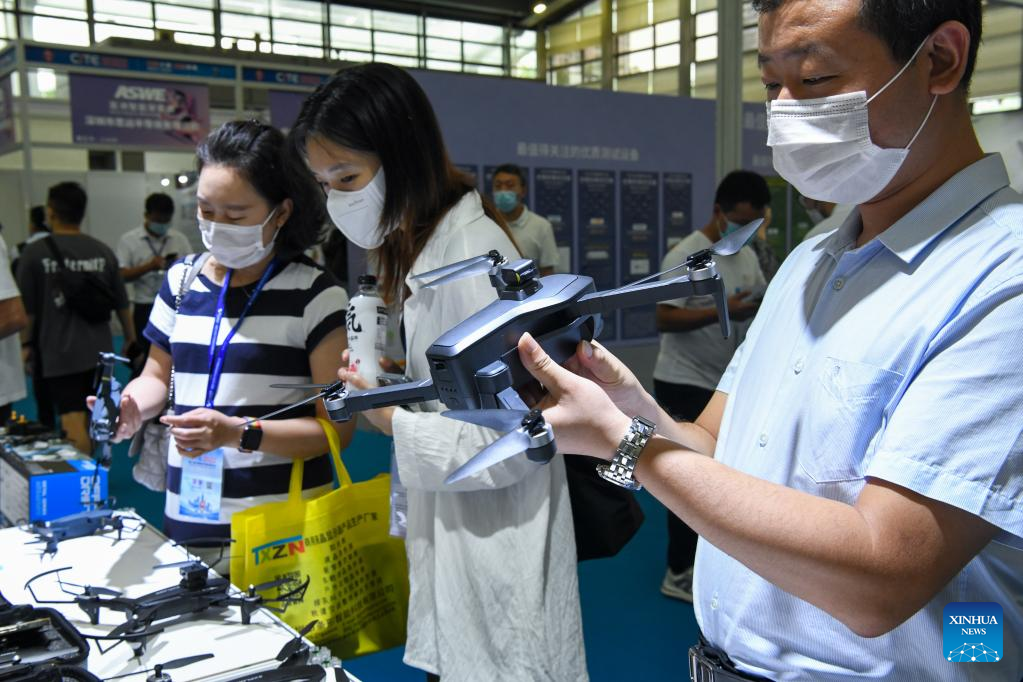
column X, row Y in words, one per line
column 251, row 439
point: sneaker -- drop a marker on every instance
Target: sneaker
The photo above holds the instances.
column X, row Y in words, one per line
column 678, row 585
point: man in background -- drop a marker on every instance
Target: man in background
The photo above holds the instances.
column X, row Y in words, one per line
column 12, row 321
column 144, row 255
column 693, row 355
column 68, row 345
column 533, row 234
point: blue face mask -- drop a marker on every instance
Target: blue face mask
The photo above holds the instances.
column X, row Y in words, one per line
column 506, row 201
column 159, row 229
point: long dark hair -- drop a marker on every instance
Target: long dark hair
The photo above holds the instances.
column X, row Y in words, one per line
column 258, row 152
column 381, row 109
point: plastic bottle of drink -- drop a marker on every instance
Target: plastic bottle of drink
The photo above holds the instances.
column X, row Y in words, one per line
column 367, row 329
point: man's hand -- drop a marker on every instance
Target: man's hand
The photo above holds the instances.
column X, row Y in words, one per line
column 380, row 417
column 585, row 419
column 594, row 362
column 27, row 359
column 201, row 430
column 156, row 263
column 740, row 308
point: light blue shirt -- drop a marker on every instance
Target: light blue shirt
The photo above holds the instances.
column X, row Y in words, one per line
column 900, row 360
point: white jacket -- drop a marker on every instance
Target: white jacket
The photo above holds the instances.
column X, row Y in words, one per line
column 495, row 593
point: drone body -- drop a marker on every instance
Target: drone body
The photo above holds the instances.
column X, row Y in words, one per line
column 107, row 408
column 475, row 366
column 80, row 525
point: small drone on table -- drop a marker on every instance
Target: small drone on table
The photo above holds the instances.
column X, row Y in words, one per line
column 80, row 525
column 475, row 368
column 197, row 592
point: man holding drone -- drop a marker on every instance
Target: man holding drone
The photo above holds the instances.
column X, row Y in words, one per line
column 860, row 466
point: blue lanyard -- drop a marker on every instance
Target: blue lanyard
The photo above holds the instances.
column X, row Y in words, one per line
column 163, row 245
column 217, row 355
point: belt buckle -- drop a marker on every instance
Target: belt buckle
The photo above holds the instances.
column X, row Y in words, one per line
column 700, row 669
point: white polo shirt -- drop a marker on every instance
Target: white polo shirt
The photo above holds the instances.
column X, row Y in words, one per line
column 535, row 239
column 137, row 247
column 12, row 373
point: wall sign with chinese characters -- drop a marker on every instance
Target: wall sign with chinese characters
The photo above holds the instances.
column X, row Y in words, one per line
column 138, row 112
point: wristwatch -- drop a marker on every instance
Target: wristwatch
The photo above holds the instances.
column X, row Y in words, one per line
column 620, row 470
column 252, row 436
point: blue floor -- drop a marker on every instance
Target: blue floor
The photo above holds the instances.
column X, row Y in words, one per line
column 631, row 631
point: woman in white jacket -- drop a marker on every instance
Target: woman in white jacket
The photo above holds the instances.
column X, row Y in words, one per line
column 492, row 560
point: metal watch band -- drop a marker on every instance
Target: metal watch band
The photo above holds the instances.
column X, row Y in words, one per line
column 620, row 470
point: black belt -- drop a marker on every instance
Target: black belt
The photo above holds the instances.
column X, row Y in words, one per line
column 709, row 664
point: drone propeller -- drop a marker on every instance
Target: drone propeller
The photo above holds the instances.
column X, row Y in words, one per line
column 303, row 387
column 500, row 420
column 727, row 246
column 179, row 564
column 731, row 244
column 263, row 587
column 505, row 447
column 455, row 267
column 169, row 665
column 322, row 391
column 296, row 644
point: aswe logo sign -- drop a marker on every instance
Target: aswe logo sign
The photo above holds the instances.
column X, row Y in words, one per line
column 972, row 632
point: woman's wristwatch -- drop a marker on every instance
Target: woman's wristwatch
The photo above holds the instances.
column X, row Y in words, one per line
column 620, row 470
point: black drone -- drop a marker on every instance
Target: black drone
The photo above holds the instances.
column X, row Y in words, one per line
column 107, row 408
column 475, row 368
column 80, row 525
column 197, row 592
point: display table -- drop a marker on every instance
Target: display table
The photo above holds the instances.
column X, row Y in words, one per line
column 128, row 566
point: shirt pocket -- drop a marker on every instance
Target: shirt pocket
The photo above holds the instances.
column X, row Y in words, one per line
column 843, row 417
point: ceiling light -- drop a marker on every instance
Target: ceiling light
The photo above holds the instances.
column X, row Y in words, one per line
column 165, row 182
column 539, row 8
column 183, row 179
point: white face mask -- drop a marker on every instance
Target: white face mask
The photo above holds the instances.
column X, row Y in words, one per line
column 237, row 246
column 823, row 146
column 357, row 214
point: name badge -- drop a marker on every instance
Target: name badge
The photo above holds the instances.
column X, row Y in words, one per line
column 202, row 482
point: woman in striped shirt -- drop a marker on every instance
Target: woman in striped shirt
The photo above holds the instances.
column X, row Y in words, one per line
column 258, row 313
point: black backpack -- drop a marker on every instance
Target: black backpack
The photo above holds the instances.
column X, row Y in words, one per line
column 86, row 294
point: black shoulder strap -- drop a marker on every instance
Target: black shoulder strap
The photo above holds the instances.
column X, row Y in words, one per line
column 51, row 244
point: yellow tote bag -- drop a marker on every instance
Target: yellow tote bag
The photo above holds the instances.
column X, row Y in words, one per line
column 358, row 589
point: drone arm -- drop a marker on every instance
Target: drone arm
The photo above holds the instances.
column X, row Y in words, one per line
column 341, row 406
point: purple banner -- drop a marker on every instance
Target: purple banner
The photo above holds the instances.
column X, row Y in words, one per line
column 138, row 112
column 7, row 140
column 284, row 108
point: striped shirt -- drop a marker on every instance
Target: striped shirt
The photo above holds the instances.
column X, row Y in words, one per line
column 298, row 307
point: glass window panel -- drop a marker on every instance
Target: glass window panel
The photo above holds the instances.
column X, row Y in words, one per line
column 395, row 43
column 439, row 65
column 592, row 52
column 351, row 38
column 571, row 75
column 196, row 39
column 592, row 72
column 244, row 25
column 706, row 48
column 126, row 12
column 297, row 10
column 52, row 30
column 669, row 32
column 639, row 83
column 565, row 58
column 484, row 70
column 636, row 40
column 48, row 84
column 665, row 82
column 665, row 9
column 444, row 28
column 707, row 23
column 7, row 4
column 298, row 50
column 105, row 31
column 483, row 54
column 297, row 32
column 397, row 60
column 184, row 19
column 341, row 15
column 71, row 9
column 395, row 21
column 483, row 33
column 750, row 39
column 636, row 62
column 259, row 8
column 668, row 56
column 526, row 39
column 703, row 5
column 524, row 60
column 7, row 26
column 352, row 56
column 749, row 15
column 443, row 49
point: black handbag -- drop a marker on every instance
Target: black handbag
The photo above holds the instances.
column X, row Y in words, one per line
column 605, row 516
column 86, row 294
